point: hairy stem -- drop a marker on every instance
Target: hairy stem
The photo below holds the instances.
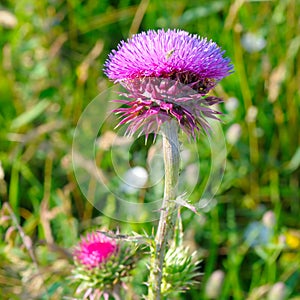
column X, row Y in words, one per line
column 167, row 216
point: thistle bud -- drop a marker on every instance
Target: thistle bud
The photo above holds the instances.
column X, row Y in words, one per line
column 180, row 271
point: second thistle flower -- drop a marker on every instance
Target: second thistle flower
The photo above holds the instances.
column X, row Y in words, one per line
column 101, row 265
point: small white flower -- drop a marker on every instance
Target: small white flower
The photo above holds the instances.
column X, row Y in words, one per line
column 253, row 42
column 231, row 104
column 233, row 133
column 7, row 19
column 1, row 171
column 269, row 219
column 277, row 291
column 134, row 179
column 251, row 114
column 214, row 284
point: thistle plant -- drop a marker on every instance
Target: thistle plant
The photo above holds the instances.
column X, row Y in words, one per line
column 101, row 266
column 167, row 76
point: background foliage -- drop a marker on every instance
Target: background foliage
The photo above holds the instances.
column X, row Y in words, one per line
column 52, row 54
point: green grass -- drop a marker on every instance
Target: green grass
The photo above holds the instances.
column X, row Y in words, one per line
column 51, row 69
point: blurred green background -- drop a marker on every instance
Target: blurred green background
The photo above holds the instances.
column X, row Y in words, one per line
column 52, row 55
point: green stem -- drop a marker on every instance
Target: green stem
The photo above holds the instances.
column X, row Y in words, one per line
column 167, row 216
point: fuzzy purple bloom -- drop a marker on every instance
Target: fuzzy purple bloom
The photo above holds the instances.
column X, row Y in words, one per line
column 94, row 249
column 168, row 74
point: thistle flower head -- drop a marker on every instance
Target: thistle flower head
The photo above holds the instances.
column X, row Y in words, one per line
column 174, row 54
column 101, row 265
column 167, row 75
column 94, row 249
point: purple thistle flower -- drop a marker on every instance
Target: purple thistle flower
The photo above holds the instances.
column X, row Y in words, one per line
column 168, row 75
column 101, row 264
column 95, row 249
